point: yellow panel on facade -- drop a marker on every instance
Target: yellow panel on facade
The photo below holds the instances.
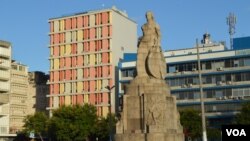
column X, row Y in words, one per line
column 51, row 51
column 100, row 84
column 61, row 88
column 110, row 17
column 79, row 48
column 56, row 64
column 86, row 98
column 74, row 35
column 73, row 87
column 86, row 59
column 67, row 100
column 68, row 49
column 110, row 57
column 92, row 59
column 56, row 26
column 68, row 37
column 51, row 64
column 92, row 20
column 62, row 25
column 79, row 87
column 61, row 50
column 67, row 87
column 105, row 111
column 79, row 35
column 79, row 73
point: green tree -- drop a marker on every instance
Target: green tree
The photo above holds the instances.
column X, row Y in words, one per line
column 244, row 116
column 73, row 123
column 104, row 127
column 191, row 122
column 36, row 123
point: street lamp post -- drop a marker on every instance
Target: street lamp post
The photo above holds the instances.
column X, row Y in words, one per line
column 110, row 131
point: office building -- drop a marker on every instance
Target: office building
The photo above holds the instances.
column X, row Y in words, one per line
column 84, row 52
column 225, row 78
column 18, row 96
column 5, row 66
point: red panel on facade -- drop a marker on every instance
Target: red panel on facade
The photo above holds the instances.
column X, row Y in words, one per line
column 92, row 33
column 105, row 17
column 105, row 31
column 51, row 89
column 79, row 22
column 73, row 74
column 56, row 76
column 68, row 24
column 92, row 72
column 92, row 99
column 79, row 99
column 105, row 97
column 105, row 57
column 56, row 88
column 92, row 86
column 61, row 75
column 62, row 62
column 62, row 38
column 79, row 60
column 62, row 100
column 51, row 39
column 73, row 23
column 86, row 21
column 105, row 71
column 92, row 46
column 68, row 74
column 74, row 48
column 73, row 61
column 56, row 38
column 56, row 50
column 51, row 26
column 86, row 46
column 105, row 44
column 68, row 62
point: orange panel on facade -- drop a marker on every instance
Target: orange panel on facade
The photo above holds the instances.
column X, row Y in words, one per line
column 74, row 48
column 79, row 99
column 73, row 74
column 105, row 98
column 62, row 62
column 68, row 62
column 92, row 46
column 56, row 50
column 68, row 75
column 86, row 46
column 51, row 39
column 105, row 31
column 56, row 76
column 92, row 72
column 86, row 21
column 62, row 37
column 51, row 88
column 68, row 24
column 92, row 33
column 56, row 88
column 79, row 60
column 80, row 22
column 92, row 99
column 105, row 57
column 62, row 100
column 61, row 75
column 105, row 44
column 105, row 17
column 92, row 86
column 73, row 61
column 56, row 38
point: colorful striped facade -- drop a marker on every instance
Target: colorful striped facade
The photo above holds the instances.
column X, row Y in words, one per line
column 84, row 51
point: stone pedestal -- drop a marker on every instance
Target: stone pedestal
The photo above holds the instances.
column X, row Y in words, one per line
column 149, row 113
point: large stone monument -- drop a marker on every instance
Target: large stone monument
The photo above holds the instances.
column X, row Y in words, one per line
column 149, row 111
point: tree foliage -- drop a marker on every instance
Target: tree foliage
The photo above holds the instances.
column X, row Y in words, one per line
column 244, row 116
column 191, row 122
column 36, row 123
column 73, row 123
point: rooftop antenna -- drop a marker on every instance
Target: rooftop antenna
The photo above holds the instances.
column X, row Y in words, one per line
column 231, row 21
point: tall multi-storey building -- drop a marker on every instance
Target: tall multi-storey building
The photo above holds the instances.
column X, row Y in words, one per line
column 225, row 78
column 5, row 65
column 37, row 91
column 18, row 96
column 84, row 52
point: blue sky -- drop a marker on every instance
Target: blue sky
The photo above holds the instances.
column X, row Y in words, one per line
column 25, row 22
